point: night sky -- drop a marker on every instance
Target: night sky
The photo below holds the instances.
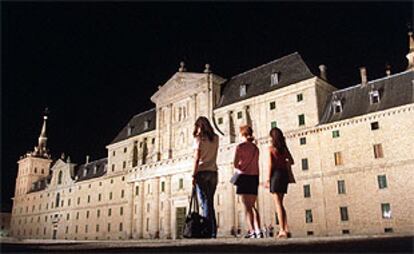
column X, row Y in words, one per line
column 95, row 65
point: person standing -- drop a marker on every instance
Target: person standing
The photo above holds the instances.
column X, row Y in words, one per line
column 279, row 176
column 206, row 144
column 246, row 162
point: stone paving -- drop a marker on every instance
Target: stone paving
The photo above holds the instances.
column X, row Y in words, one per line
column 348, row 244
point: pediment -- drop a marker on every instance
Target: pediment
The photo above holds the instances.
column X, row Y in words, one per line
column 58, row 164
column 180, row 85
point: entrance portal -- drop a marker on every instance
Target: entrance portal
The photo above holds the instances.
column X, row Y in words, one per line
column 180, row 214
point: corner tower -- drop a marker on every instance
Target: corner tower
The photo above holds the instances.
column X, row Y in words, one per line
column 33, row 165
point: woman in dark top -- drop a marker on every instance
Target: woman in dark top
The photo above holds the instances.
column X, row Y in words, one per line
column 280, row 160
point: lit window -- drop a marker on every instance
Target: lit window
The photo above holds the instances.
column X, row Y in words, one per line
column 302, row 141
column 382, row 181
column 341, row 187
column 146, row 124
column 378, row 153
column 308, row 216
column 374, row 97
column 272, row 105
column 299, row 97
column 243, row 90
column 386, row 211
column 338, row 158
column 344, row 213
column 274, row 79
column 374, row 126
column 337, row 106
column 306, row 191
column 335, row 134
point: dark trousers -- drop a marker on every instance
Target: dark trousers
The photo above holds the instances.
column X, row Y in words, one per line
column 206, row 183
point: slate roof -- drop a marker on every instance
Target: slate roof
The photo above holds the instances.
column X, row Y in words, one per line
column 291, row 69
column 91, row 170
column 395, row 90
column 137, row 123
column 40, row 184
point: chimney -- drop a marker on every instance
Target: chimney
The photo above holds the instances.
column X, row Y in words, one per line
column 388, row 70
column 323, row 74
column 364, row 79
column 87, row 159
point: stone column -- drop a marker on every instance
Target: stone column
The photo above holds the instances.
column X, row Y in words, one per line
column 168, row 207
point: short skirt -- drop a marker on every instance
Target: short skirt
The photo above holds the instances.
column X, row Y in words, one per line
column 279, row 181
column 247, row 184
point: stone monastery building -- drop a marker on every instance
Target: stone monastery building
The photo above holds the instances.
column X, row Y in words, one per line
column 353, row 150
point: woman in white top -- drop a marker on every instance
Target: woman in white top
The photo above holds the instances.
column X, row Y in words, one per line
column 206, row 144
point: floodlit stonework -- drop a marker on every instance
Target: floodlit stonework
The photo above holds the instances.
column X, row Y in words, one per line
column 353, row 150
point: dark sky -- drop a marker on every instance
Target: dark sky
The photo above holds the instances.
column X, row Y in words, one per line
column 96, row 64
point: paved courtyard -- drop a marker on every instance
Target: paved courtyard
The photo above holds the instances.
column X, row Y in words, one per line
column 349, row 244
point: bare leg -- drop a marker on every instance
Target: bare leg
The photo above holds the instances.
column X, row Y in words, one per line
column 256, row 219
column 249, row 212
column 280, row 213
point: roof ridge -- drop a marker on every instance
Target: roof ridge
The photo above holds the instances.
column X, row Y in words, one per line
column 144, row 112
column 263, row 65
column 372, row 81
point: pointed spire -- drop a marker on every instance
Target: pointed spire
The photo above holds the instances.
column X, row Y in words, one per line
column 41, row 149
column 410, row 55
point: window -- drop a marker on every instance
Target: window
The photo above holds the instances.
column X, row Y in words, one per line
column 338, row 158
column 301, row 119
column 153, row 141
column 276, row 219
column 120, row 226
column 113, row 153
column 125, row 149
column 374, row 97
column 162, row 186
column 337, row 106
column 341, row 187
column 76, row 229
column 345, row 231
column 113, row 167
column 97, row 227
column 67, row 216
column 305, row 164
column 124, row 164
column 220, row 120
column 147, row 226
column 239, row 115
column 57, row 199
column 386, row 211
column 306, row 191
column 136, row 190
column 388, row 230
column 374, row 126
column 86, row 228
column 87, row 214
column 99, row 197
column 121, row 210
column 378, row 153
column 148, row 207
column 302, row 141
column 89, row 199
column 60, row 177
column 109, row 227
column 109, row 212
column 77, row 215
column 98, row 213
column 335, row 134
column 110, row 195
column 382, row 181
column 274, row 79
column 344, row 213
column 299, row 97
column 122, row 193
column 273, row 124
column 181, row 184
column 309, row 232
column 243, row 90
column 85, row 171
column 308, row 216
column 272, row 105
column 146, row 124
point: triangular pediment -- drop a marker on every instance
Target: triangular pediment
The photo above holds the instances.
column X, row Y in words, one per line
column 58, row 164
column 181, row 84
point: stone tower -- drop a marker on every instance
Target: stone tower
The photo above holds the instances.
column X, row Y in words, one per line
column 33, row 165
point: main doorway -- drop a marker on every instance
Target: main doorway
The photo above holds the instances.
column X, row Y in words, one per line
column 180, row 214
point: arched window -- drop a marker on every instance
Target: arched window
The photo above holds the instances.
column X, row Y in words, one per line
column 57, row 199
column 60, row 177
column 135, row 155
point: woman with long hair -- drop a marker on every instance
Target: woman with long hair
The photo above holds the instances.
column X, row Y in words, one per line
column 280, row 160
column 206, row 144
column 246, row 162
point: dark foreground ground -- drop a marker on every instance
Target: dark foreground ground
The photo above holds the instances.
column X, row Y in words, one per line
column 352, row 244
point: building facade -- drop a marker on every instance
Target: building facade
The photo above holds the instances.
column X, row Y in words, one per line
column 353, row 150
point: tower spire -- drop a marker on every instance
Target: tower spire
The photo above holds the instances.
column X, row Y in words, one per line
column 410, row 55
column 41, row 149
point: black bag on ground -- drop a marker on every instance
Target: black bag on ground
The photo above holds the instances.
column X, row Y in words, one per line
column 196, row 226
